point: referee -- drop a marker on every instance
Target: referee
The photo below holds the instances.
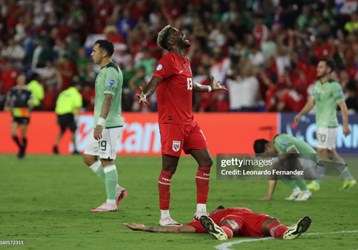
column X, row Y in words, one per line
column 68, row 104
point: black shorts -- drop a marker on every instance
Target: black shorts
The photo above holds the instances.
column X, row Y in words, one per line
column 21, row 120
column 67, row 121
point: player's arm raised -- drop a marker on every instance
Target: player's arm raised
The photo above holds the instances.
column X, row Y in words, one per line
column 214, row 85
column 344, row 112
column 148, row 90
column 309, row 105
column 161, row 229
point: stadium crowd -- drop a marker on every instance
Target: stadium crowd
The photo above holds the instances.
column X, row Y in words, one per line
column 264, row 51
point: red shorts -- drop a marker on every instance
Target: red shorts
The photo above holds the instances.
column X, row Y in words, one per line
column 176, row 137
column 248, row 222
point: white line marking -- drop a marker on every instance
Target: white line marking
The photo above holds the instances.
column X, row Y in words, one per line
column 227, row 245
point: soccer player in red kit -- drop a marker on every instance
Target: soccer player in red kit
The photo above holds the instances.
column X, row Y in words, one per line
column 173, row 81
column 234, row 222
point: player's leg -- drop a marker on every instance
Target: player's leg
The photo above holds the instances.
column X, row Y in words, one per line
column 171, row 137
column 90, row 158
column 73, row 127
column 13, row 132
column 107, row 153
column 62, row 123
column 330, row 153
column 342, row 167
column 274, row 228
column 196, row 145
column 23, row 130
column 202, row 179
column 169, row 166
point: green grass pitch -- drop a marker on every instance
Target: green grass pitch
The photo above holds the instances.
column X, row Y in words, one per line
column 45, row 201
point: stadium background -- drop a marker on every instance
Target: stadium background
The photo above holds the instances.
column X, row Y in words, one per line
column 268, row 47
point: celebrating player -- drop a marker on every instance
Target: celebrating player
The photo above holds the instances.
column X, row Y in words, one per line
column 179, row 131
column 19, row 102
column 327, row 95
column 295, row 154
column 108, row 123
column 234, row 222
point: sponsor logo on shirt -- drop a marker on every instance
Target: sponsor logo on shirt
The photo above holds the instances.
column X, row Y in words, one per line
column 283, row 143
column 176, row 146
column 159, row 67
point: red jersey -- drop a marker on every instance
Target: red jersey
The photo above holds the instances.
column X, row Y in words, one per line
column 250, row 223
column 175, row 91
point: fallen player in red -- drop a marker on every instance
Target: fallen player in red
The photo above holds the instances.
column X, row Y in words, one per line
column 224, row 223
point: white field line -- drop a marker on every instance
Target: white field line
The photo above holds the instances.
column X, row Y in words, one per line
column 227, row 245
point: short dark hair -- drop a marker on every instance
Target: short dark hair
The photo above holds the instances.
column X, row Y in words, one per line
column 330, row 63
column 259, row 145
column 162, row 39
column 106, row 45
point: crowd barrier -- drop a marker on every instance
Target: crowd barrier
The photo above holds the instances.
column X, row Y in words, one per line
column 230, row 133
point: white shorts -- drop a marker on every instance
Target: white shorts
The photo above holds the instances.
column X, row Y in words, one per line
column 326, row 138
column 105, row 148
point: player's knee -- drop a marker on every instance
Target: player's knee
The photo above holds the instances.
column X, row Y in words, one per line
column 207, row 162
column 88, row 159
column 170, row 169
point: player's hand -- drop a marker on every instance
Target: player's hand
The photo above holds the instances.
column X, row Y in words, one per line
column 215, row 85
column 297, row 118
column 346, row 131
column 142, row 97
column 97, row 133
column 266, row 198
column 135, row 226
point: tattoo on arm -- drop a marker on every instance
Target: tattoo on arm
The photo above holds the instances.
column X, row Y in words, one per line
column 106, row 106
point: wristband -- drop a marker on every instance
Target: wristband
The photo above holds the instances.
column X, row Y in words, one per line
column 101, row 121
column 210, row 89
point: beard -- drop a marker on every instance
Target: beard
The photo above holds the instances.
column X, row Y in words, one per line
column 320, row 75
column 183, row 44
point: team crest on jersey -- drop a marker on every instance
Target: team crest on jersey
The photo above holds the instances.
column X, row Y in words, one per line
column 159, row 67
column 283, row 143
column 176, row 146
column 111, row 82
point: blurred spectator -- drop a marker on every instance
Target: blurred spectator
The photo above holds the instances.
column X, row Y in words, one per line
column 281, row 39
column 37, row 91
column 243, row 89
column 8, row 77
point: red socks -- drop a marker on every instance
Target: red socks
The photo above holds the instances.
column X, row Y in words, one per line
column 202, row 187
column 277, row 230
column 228, row 231
column 164, row 189
column 202, row 184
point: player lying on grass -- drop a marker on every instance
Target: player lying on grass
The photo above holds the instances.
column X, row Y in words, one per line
column 234, row 222
column 293, row 154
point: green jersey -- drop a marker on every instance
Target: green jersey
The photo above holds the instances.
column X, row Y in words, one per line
column 326, row 97
column 109, row 81
column 283, row 143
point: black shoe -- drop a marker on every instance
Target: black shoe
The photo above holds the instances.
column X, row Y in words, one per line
column 55, row 150
column 21, row 154
column 296, row 230
column 213, row 229
column 75, row 152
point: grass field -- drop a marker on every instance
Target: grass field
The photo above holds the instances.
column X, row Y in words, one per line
column 45, row 201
